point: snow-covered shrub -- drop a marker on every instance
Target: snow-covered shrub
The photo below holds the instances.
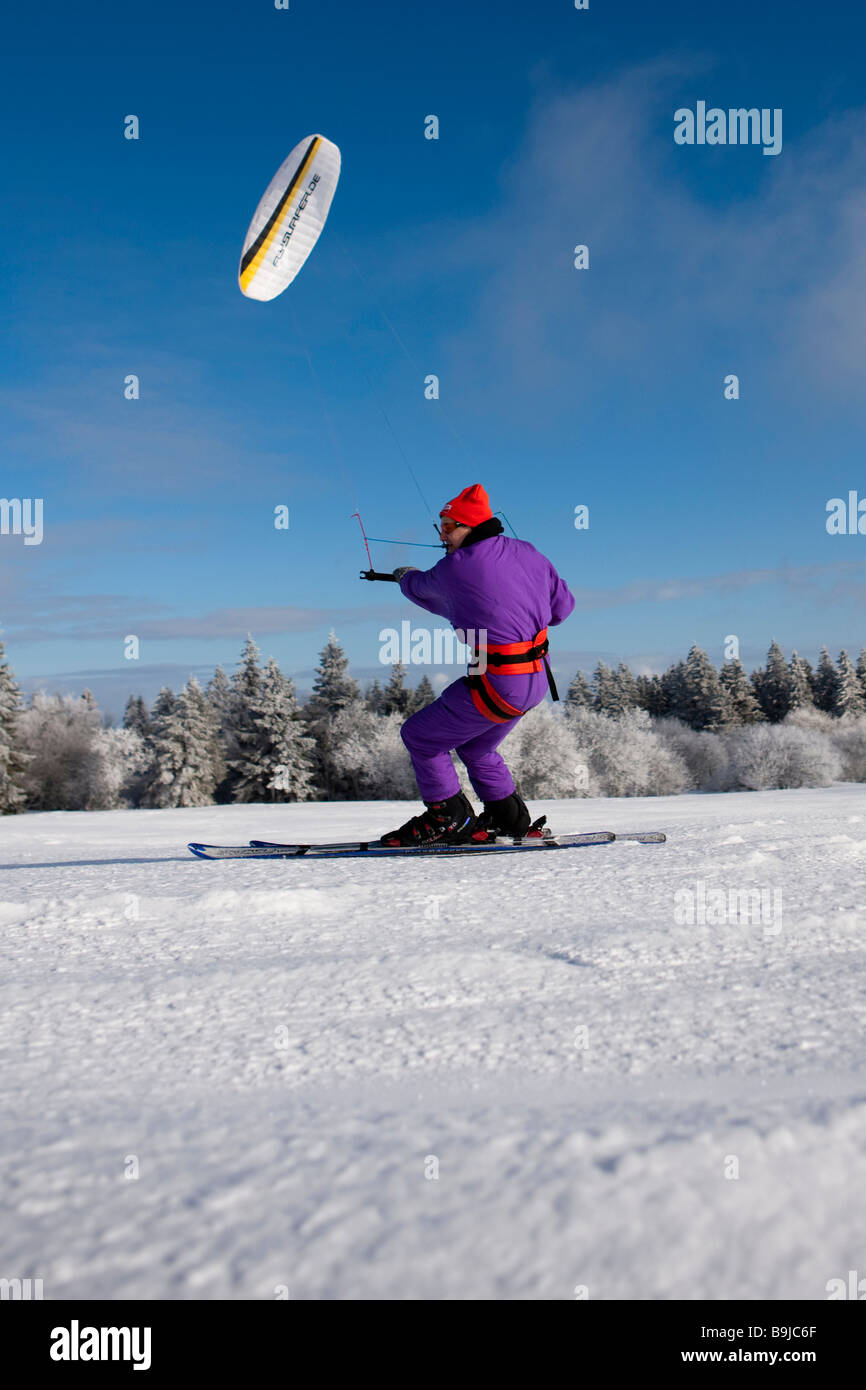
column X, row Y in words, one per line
column 544, row 756
column 847, row 736
column 764, row 756
column 849, row 739
column 809, row 717
column 368, row 749
column 391, row 773
column 74, row 764
column 626, row 756
column 705, row 755
column 350, row 738
column 116, row 758
column 59, row 734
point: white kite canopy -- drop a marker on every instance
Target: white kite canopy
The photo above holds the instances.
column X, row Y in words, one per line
column 289, row 219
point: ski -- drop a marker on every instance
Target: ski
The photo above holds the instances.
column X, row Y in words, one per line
column 265, row 849
column 641, row 837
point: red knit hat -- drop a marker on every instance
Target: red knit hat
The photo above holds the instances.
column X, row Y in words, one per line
column 470, row 507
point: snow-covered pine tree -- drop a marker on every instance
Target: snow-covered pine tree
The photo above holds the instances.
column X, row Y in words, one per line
column 824, row 683
column 774, row 685
column 649, row 694
column 422, row 696
column 166, row 753
column 138, row 757
column 396, row 698
column 232, row 703
column 219, row 696
column 740, row 691
column 207, row 772
column 861, row 671
column 247, row 679
column 164, row 704
column 276, row 753
column 704, row 701
column 579, row 694
column 625, row 679
column 755, row 680
column 333, row 691
column 161, row 714
column 849, row 697
column 333, row 688
column 163, row 707
column 799, row 685
column 222, row 702
column 13, row 761
column 186, row 759
column 373, row 698
column 135, row 716
column 673, row 688
column 606, row 697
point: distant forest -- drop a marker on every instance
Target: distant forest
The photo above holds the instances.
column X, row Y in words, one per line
column 247, row 738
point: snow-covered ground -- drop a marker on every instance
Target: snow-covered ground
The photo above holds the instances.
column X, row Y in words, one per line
column 286, row 1053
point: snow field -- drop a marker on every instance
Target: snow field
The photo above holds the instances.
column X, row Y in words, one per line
column 291, row 1052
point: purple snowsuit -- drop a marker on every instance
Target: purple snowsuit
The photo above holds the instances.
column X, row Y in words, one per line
column 511, row 590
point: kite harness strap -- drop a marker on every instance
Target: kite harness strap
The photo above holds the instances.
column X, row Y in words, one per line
column 513, row 659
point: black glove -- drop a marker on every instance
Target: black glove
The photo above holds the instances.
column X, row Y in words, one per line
column 404, row 569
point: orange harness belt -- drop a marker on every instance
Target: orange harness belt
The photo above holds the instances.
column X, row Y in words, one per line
column 513, row 659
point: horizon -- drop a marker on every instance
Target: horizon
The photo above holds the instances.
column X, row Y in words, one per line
column 112, row 695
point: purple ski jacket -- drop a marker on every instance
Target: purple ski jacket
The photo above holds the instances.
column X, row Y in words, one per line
column 503, row 586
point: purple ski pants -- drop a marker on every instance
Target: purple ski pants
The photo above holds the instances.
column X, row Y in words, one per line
column 452, row 721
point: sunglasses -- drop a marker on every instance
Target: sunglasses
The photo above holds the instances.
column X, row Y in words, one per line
column 447, row 525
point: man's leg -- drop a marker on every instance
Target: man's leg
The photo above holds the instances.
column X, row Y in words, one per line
column 484, row 763
column 452, row 721
column 487, row 771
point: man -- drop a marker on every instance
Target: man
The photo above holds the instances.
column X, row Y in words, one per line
column 508, row 594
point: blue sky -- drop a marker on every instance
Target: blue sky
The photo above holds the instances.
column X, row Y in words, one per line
column 558, row 387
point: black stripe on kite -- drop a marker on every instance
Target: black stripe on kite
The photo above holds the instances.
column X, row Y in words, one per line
column 278, row 210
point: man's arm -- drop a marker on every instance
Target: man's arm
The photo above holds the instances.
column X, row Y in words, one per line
column 425, row 587
column 561, row 599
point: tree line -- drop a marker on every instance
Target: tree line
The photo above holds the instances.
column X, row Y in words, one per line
column 694, row 692
column 248, row 738
column 241, row 738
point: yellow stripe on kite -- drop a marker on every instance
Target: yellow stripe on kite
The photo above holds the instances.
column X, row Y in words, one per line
column 278, row 215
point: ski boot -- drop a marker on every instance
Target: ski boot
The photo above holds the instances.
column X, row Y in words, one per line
column 509, row 818
column 448, row 822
